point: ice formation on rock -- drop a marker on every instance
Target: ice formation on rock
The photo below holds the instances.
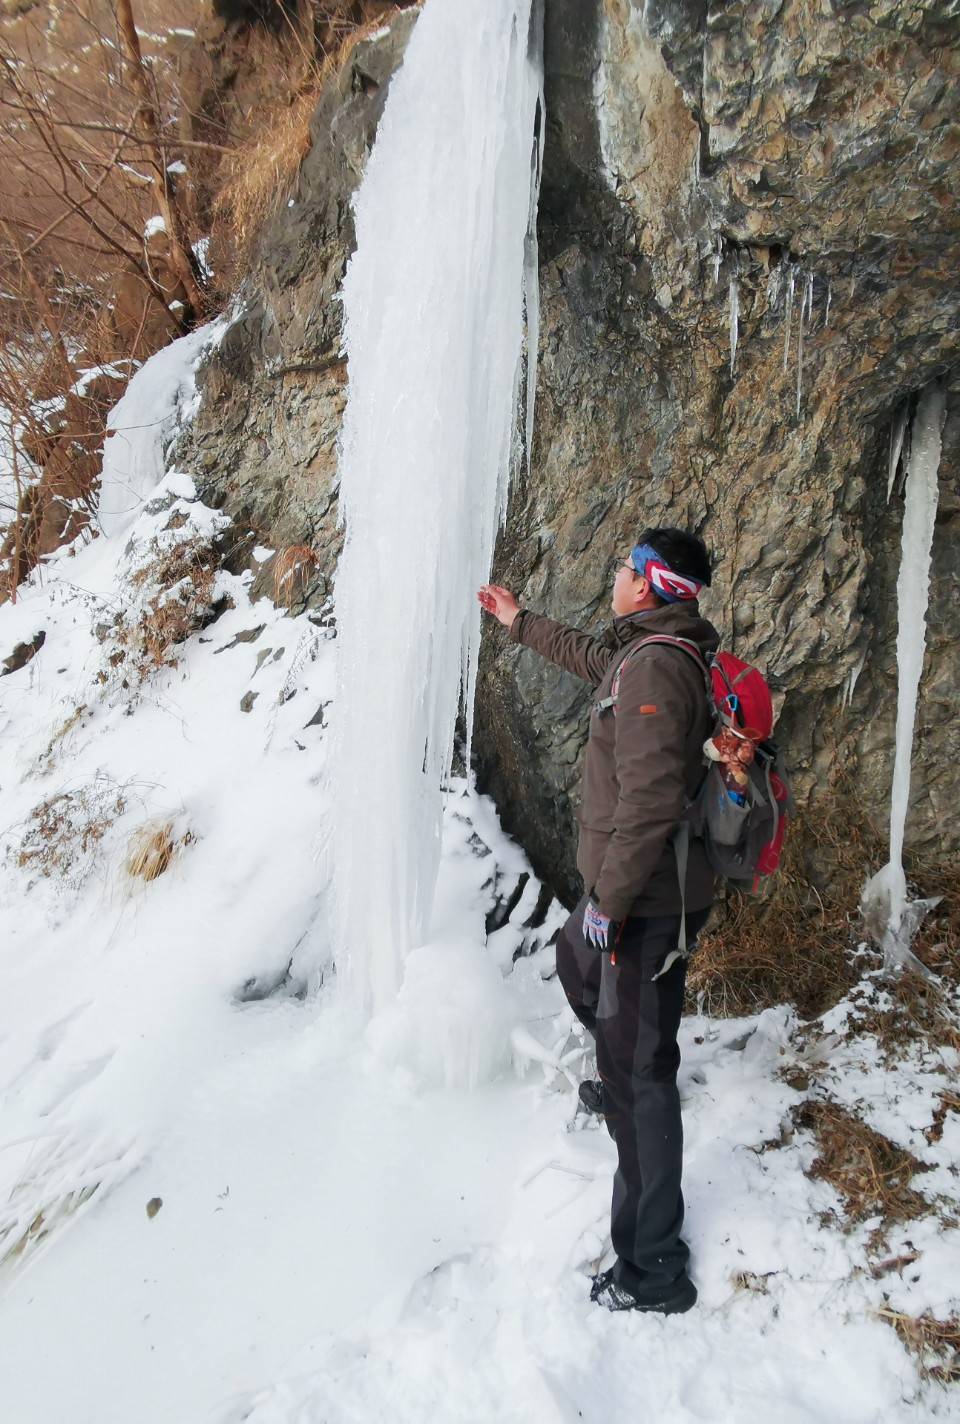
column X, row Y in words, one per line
column 439, row 300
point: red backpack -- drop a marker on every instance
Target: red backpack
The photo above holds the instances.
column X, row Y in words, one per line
column 743, row 842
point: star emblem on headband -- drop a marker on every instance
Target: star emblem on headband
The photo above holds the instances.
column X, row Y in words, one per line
column 671, row 586
column 674, row 586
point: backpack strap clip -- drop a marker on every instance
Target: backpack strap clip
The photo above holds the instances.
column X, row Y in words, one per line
column 686, row 644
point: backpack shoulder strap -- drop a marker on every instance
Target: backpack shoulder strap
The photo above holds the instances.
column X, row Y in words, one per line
column 685, row 644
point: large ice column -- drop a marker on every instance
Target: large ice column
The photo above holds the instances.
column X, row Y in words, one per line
column 440, row 307
column 885, row 896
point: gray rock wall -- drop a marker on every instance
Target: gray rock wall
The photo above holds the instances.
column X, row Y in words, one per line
column 782, row 140
column 689, row 146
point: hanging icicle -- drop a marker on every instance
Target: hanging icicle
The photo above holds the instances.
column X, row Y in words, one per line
column 806, row 308
column 897, row 432
column 890, row 917
column 788, row 315
column 716, row 259
column 734, row 296
column 435, row 296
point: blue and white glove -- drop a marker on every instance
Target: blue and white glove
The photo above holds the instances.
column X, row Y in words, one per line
column 596, row 927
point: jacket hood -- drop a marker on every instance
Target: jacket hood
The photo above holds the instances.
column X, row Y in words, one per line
column 679, row 620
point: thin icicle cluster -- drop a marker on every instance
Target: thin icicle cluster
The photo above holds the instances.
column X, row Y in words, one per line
column 897, row 431
column 783, row 276
column 885, row 895
column 734, row 313
column 716, row 257
column 806, row 312
column 435, row 300
column 788, row 313
column 795, row 276
column 715, row 254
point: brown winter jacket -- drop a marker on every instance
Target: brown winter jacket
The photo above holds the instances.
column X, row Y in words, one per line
column 642, row 762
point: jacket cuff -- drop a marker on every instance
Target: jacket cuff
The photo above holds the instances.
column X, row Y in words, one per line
column 604, row 906
column 614, row 911
column 515, row 631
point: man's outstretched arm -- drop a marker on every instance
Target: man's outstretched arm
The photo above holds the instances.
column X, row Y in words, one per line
column 575, row 652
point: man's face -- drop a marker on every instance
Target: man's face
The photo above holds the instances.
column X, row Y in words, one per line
column 629, row 589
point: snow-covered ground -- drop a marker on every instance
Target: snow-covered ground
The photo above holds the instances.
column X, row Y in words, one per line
column 223, row 1197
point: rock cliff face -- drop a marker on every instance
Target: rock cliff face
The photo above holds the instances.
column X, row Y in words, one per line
column 793, row 162
column 264, row 441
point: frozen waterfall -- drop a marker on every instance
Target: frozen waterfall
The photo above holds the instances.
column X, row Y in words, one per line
column 440, row 308
column 892, row 918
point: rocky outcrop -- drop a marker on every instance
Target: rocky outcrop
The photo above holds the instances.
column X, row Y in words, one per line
column 760, row 150
column 792, row 160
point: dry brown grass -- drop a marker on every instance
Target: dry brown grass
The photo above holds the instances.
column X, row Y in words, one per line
column 871, row 1174
column 794, row 944
column 915, row 1010
column 935, row 1343
column 291, row 572
column 257, row 178
column 256, row 181
column 751, row 1281
column 15, row 1244
column 153, row 848
column 948, row 1101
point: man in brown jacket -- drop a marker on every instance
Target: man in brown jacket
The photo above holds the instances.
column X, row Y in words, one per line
column 620, row 955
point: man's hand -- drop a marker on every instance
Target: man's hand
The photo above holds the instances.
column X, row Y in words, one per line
column 598, row 930
column 500, row 602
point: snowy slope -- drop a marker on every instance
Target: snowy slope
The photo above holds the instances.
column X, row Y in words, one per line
column 391, row 1221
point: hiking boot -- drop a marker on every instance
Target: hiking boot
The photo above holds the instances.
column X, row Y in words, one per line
column 591, row 1095
column 673, row 1299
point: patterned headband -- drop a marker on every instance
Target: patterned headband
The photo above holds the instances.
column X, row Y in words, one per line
column 673, row 587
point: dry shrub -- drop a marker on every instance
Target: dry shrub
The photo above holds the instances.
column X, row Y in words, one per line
column 871, row 1173
column 152, row 848
column 176, row 583
column 62, row 835
column 935, row 1343
column 61, row 733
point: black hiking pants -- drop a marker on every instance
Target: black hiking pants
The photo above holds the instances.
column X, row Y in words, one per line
column 634, row 1018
